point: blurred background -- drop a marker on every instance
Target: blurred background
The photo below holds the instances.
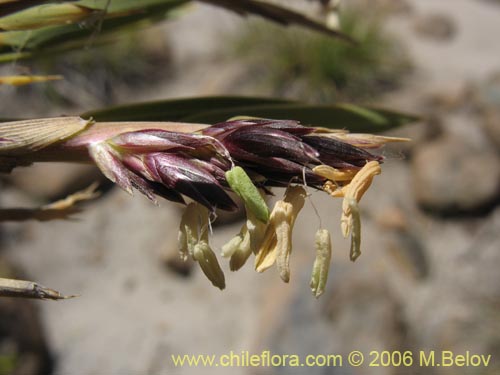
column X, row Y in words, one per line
column 428, row 278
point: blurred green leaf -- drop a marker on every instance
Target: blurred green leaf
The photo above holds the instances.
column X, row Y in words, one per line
column 317, row 67
column 340, row 116
column 211, row 110
column 176, row 109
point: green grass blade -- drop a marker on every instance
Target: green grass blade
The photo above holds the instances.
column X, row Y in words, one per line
column 177, row 109
column 342, row 116
column 211, row 110
column 8, row 7
column 45, row 15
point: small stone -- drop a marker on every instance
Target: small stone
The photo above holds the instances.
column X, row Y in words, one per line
column 452, row 176
column 393, row 218
column 390, row 7
column 451, row 95
column 419, row 133
column 399, row 7
column 437, row 27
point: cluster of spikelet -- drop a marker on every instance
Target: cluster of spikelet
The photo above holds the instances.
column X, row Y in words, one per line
column 247, row 157
column 205, row 163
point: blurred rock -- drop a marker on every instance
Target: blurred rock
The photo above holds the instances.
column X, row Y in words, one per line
column 478, row 262
column 366, row 315
column 407, row 250
column 430, row 128
column 355, row 314
column 450, row 95
column 405, row 245
column 393, row 218
column 396, row 7
column 399, row 7
column 453, row 177
column 437, row 27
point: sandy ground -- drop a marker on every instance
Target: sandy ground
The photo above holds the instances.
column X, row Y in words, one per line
column 434, row 287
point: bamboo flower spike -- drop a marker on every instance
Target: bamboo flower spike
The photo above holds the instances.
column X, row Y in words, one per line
column 205, row 163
